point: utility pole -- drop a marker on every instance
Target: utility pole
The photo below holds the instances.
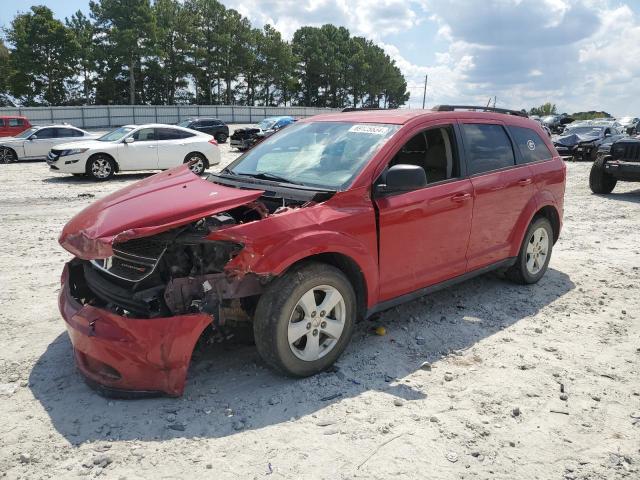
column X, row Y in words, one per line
column 424, row 95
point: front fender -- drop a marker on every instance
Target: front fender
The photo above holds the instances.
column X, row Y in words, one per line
column 276, row 258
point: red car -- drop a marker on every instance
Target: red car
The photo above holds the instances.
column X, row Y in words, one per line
column 329, row 221
column 11, row 126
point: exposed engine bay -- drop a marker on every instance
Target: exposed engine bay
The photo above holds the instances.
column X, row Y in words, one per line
column 179, row 271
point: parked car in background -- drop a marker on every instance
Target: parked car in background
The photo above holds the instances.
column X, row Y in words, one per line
column 581, row 140
column 245, row 138
column 36, row 142
column 11, row 126
column 556, row 123
column 630, row 124
column 136, row 147
column 333, row 219
column 211, row 126
column 622, row 164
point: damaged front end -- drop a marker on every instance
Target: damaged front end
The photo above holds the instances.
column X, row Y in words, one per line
column 149, row 279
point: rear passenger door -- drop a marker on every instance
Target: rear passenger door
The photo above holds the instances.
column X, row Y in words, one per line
column 423, row 234
column 172, row 146
column 501, row 189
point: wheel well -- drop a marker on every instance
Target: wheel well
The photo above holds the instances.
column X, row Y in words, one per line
column 206, row 160
column 117, row 167
column 14, row 152
column 352, row 271
column 551, row 214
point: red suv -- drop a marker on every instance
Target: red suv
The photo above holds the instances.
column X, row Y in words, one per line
column 12, row 126
column 326, row 222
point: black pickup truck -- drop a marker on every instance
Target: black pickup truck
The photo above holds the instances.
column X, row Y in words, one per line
column 622, row 164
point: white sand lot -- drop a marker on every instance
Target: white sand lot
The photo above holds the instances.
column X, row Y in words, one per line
column 525, row 382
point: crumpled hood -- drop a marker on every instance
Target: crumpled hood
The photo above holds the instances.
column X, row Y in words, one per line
column 246, row 131
column 574, row 139
column 158, row 203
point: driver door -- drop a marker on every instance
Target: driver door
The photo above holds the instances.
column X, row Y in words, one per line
column 424, row 233
column 142, row 154
column 39, row 143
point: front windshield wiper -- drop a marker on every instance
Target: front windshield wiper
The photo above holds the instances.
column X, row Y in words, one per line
column 267, row 176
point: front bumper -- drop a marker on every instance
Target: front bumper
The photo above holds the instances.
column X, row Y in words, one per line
column 629, row 171
column 67, row 164
column 130, row 356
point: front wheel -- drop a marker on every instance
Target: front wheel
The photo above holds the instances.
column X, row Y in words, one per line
column 304, row 320
column 199, row 162
column 599, row 180
column 535, row 253
column 101, row 167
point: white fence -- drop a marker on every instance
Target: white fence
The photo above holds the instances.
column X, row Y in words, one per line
column 118, row 115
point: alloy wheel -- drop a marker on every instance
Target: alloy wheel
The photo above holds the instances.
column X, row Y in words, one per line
column 6, row 156
column 101, row 168
column 198, row 166
column 537, row 250
column 316, row 323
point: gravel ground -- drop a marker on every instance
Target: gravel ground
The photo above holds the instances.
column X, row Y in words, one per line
column 522, row 382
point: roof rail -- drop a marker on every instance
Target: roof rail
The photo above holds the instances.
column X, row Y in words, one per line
column 451, row 108
column 357, row 109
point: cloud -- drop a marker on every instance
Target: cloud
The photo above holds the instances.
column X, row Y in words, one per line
column 579, row 54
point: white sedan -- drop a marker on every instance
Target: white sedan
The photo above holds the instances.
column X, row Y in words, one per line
column 132, row 147
column 35, row 143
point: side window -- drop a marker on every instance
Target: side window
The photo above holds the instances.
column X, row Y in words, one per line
column 531, row 146
column 488, row 147
column 67, row 132
column 3, row 122
column 144, row 135
column 46, row 133
column 172, row 134
column 207, row 123
column 16, row 122
column 435, row 151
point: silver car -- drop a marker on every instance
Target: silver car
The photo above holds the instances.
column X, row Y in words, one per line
column 35, row 143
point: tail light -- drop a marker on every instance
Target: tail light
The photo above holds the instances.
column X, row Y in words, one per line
column 213, row 142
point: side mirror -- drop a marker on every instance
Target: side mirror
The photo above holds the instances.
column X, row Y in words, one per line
column 33, row 137
column 129, row 140
column 402, row 178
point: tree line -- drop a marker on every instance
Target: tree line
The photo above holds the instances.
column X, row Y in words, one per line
column 189, row 52
column 551, row 109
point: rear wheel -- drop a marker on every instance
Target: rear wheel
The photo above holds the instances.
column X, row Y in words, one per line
column 199, row 162
column 535, row 253
column 599, row 180
column 221, row 137
column 7, row 155
column 304, row 320
column 101, row 167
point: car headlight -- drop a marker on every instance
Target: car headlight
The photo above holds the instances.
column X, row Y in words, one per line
column 73, row 151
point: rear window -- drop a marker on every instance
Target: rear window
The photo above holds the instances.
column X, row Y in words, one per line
column 16, row 122
column 488, row 147
column 532, row 147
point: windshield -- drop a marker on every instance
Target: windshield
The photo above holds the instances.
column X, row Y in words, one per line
column 626, row 120
column 584, row 130
column 185, row 123
column 549, row 118
column 117, row 134
column 28, row 132
column 318, row 154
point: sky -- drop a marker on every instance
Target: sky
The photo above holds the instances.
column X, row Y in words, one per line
column 579, row 54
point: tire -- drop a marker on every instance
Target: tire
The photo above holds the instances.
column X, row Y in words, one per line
column 200, row 165
column 7, row 155
column 101, row 167
column 599, row 180
column 281, row 316
column 535, row 253
column 221, row 137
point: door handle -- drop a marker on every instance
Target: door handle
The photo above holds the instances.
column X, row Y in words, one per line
column 461, row 197
column 151, row 146
column 524, row 182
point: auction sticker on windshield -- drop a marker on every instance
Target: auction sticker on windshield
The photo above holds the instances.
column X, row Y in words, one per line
column 373, row 129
